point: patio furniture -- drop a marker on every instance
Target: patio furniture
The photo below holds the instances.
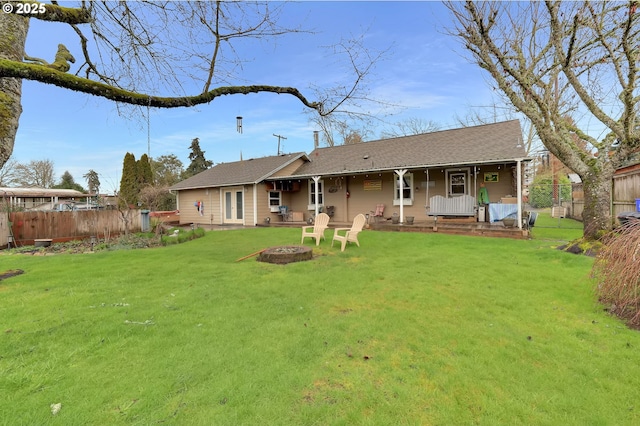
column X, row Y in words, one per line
column 350, row 234
column 283, row 213
column 378, row 212
column 317, row 230
column 462, row 205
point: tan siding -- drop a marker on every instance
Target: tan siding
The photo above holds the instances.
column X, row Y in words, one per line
column 189, row 213
column 288, row 170
column 263, row 205
column 297, row 201
column 214, row 214
column 365, row 201
column 247, row 216
column 504, row 187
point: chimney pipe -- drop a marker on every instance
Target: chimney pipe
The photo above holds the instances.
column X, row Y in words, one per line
column 315, row 139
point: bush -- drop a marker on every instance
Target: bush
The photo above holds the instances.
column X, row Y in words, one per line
column 181, row 236
column 617, row 273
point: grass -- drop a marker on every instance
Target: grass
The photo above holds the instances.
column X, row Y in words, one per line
column 411, row 329
column 559, row 229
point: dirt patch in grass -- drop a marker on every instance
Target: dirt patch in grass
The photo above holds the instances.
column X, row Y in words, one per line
column 10, row 273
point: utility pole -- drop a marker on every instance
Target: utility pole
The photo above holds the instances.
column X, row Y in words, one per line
column 279, row 138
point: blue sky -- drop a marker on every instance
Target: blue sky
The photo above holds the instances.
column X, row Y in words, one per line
column 424, row 72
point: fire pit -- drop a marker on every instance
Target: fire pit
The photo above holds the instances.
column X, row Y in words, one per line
column 285, row 254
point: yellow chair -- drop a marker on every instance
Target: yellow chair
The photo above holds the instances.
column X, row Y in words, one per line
column 351, row 234
column 317, row 230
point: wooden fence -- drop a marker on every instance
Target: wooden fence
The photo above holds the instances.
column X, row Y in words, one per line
column 625, row 191
column 65, row 226
column 4, row 229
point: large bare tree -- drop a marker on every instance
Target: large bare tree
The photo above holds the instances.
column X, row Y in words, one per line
column 566, row 66
column 38, row 173
column 141, row 52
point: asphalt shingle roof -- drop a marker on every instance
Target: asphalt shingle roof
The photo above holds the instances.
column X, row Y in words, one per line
column 238, row 172
column 489, row 143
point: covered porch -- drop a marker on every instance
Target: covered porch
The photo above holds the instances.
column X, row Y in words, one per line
column 428, row 196
column 429, row 225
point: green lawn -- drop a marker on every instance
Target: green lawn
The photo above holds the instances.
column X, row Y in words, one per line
column 409, row 329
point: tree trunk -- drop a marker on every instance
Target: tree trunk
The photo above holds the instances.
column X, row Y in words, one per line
column 14, row 34
column 596, row 215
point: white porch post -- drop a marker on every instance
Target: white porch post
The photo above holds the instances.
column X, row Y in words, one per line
column 315, row 190
column 428, row 207
column 400, row 174
column 519, row 191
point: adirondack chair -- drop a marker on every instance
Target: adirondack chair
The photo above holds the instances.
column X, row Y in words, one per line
column 350, row 234
column 378, row 213
column 317, row 230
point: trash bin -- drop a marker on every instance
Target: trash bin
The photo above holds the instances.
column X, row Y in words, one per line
column 638, row 204
column 625, row 217
column 144, row 221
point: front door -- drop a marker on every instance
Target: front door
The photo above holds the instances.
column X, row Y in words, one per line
column 233, row 205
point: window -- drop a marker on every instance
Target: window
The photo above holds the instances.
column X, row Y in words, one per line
column 275, row 199
column 458, row 182
column 312, row 193
column 407, row 189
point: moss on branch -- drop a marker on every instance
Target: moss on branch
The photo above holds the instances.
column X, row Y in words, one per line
column 72, row 82
column 57, row 13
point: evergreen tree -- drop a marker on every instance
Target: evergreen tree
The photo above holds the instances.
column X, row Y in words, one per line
column 129, row 188
column 67, row 182
column 93, row 181
column 144, row 174
column 198, row 162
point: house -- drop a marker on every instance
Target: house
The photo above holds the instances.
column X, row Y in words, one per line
column 237, row 192
column 34, row 198
column 432, row 174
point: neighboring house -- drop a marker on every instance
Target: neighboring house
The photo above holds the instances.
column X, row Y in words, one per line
column 404, row 174
column 38, row 198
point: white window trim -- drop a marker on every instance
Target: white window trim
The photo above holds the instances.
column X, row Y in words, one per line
column 274, row 209
column 467, row 184
column 405, row 201
column 312, row 190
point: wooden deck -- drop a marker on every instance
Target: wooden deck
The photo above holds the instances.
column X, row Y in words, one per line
column 442, row 225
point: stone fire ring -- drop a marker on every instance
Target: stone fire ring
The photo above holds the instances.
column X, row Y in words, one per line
column 285, row 254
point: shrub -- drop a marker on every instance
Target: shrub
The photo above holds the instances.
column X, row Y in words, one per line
column 617, row 273
column 181, row 236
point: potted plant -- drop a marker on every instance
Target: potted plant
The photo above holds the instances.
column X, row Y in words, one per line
column 409, row 220
column 395, row 219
